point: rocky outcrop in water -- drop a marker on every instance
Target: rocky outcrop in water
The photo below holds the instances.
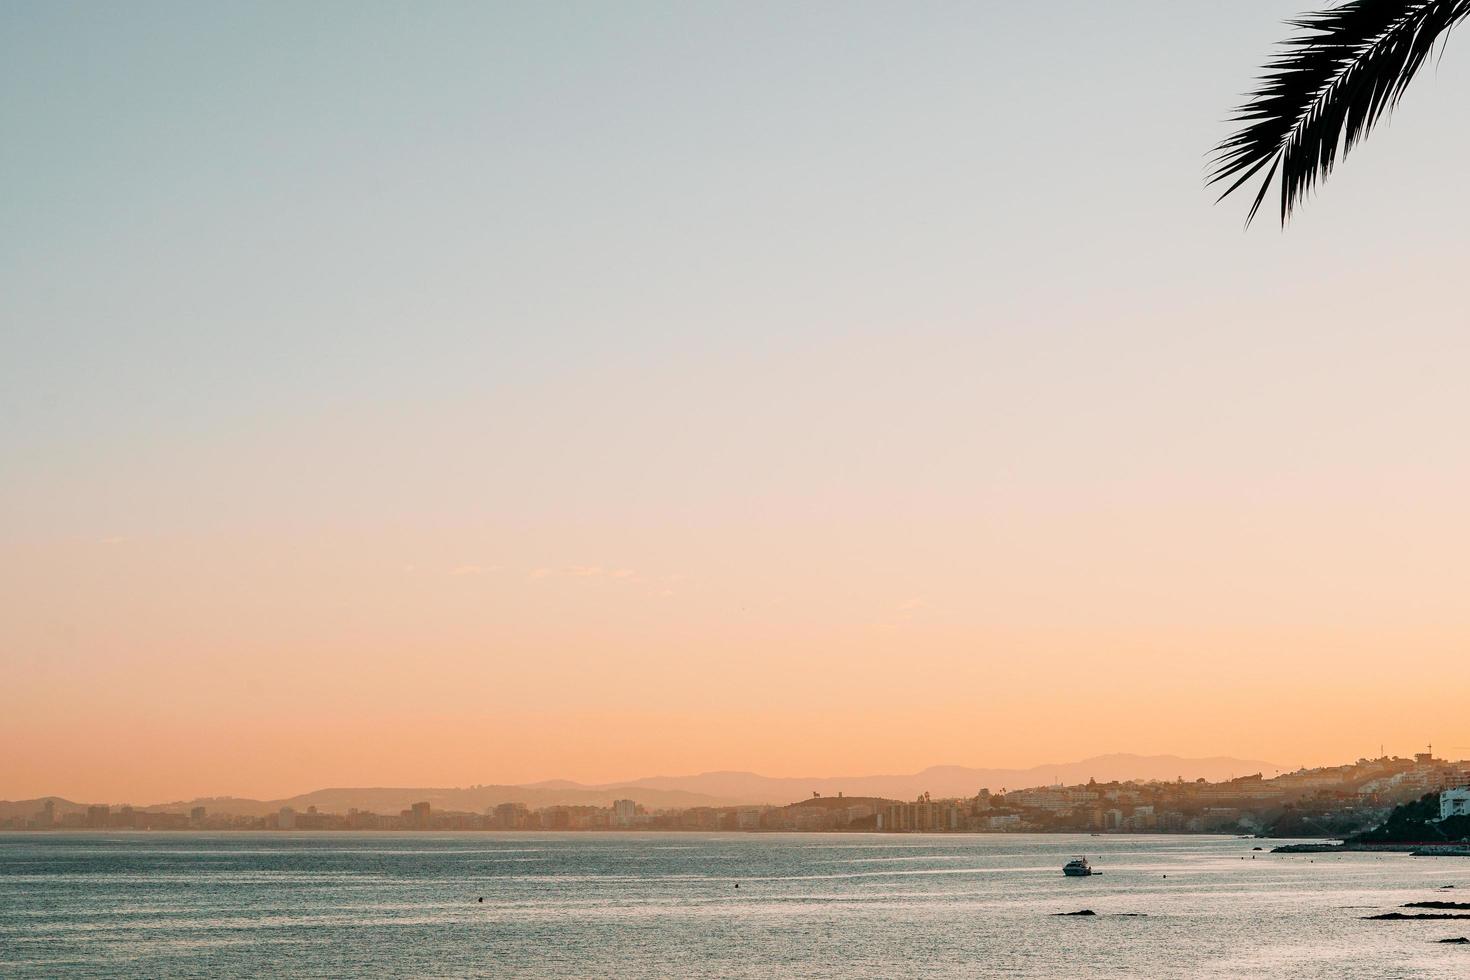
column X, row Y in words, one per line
column 1406, row 916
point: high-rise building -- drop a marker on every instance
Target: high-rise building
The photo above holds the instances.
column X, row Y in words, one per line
column 624, row 812
column 512, row 816
column 420, row 816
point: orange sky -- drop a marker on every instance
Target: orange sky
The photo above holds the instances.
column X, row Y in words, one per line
column 265, row 666
column 500, row 395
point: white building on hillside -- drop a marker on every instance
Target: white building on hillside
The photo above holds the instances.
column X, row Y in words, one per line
column 1454, row 802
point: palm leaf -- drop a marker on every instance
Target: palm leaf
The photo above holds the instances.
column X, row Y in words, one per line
column 1337, row 76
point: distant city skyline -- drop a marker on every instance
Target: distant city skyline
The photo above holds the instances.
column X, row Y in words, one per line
column 1343, row 800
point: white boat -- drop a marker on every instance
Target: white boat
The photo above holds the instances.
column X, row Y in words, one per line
column 1077, row 868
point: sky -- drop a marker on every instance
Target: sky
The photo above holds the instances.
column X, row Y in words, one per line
column 455, row 393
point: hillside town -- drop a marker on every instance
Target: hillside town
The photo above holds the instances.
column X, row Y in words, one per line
column 1323, row 802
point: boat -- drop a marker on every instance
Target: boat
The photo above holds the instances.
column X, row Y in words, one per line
column 1077, row 868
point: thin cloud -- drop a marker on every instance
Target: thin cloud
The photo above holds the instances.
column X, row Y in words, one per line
column 630, row 576
column 904, row 614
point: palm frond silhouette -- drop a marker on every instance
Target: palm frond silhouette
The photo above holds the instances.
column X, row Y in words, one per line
column 1344, row 68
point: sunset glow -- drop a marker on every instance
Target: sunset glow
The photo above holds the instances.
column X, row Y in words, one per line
column 501, row 394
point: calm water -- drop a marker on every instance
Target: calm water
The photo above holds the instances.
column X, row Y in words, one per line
column 655, row 905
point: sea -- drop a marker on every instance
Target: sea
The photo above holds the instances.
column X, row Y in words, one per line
column 157, row 905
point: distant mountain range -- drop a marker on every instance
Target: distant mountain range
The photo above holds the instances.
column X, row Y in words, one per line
column 747, row 787
column 718, row 788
